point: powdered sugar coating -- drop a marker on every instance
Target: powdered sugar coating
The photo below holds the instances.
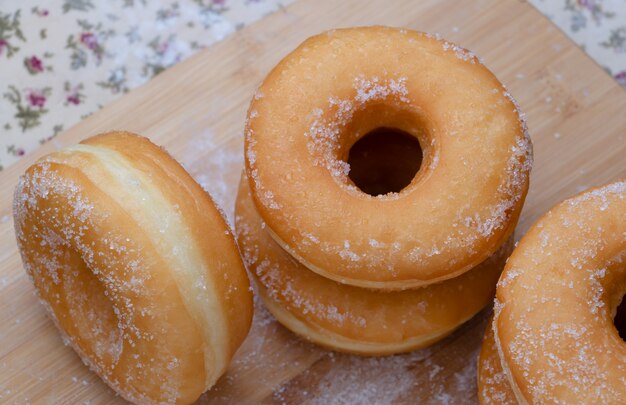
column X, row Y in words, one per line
column 323, row 135
column 111, row 278
column 461, row 53
column 52, row 257
column 386, row 321
column 265, row 195
column 298, row 139
column 557, row 298
column 493, row 385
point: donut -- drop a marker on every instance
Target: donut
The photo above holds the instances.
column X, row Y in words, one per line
column 493, row 386
column 556, row 301
column 338, row 88
column 354, row 319
column 135, row 265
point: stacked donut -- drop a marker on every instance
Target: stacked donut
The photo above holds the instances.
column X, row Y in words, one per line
column 553, row 338
column 349, row 247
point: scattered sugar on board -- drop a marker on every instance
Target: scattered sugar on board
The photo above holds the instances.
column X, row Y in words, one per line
column 268, row 350
column 346, row 379
column 218, row 172
column 368, row 380
column 349, row 380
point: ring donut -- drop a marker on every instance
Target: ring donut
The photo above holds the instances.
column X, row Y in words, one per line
column 335, row 88
column 557, row 299
column 353, row 319
column 135, row 265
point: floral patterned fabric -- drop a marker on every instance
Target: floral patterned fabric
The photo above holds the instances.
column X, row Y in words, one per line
column 597, row 26
column 61, row 60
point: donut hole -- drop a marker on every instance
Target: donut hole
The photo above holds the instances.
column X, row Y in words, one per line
column 620, row 319
column 384, row 160
column 92, row 315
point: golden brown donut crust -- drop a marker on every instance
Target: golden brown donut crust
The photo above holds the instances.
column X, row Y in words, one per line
column 136, row 266
column 337, row 86
column 493, row 386
column 556, row 301
column 354, row 319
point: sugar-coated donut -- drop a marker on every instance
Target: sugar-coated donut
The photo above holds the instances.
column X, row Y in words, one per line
column 493, row 386
column 556, row 301
column 336, row 87
column 136, row 266
column 354, row 319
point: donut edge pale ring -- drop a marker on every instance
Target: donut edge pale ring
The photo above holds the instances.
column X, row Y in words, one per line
column 492, row 381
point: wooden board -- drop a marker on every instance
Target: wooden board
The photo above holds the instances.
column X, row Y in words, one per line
column 197, row 109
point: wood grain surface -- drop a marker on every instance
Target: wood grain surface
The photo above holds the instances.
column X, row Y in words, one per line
column 576, row 115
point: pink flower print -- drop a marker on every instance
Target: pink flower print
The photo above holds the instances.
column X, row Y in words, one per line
column 218, row 2
column 92, row 42
column 73, row 99
column 34, row 65
column 73, row 94
column 36, row 99
column 621, row 78
column 15, row 151
column 40, row 12
column 3, row 45
column 89, row 40
column 29, row 105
